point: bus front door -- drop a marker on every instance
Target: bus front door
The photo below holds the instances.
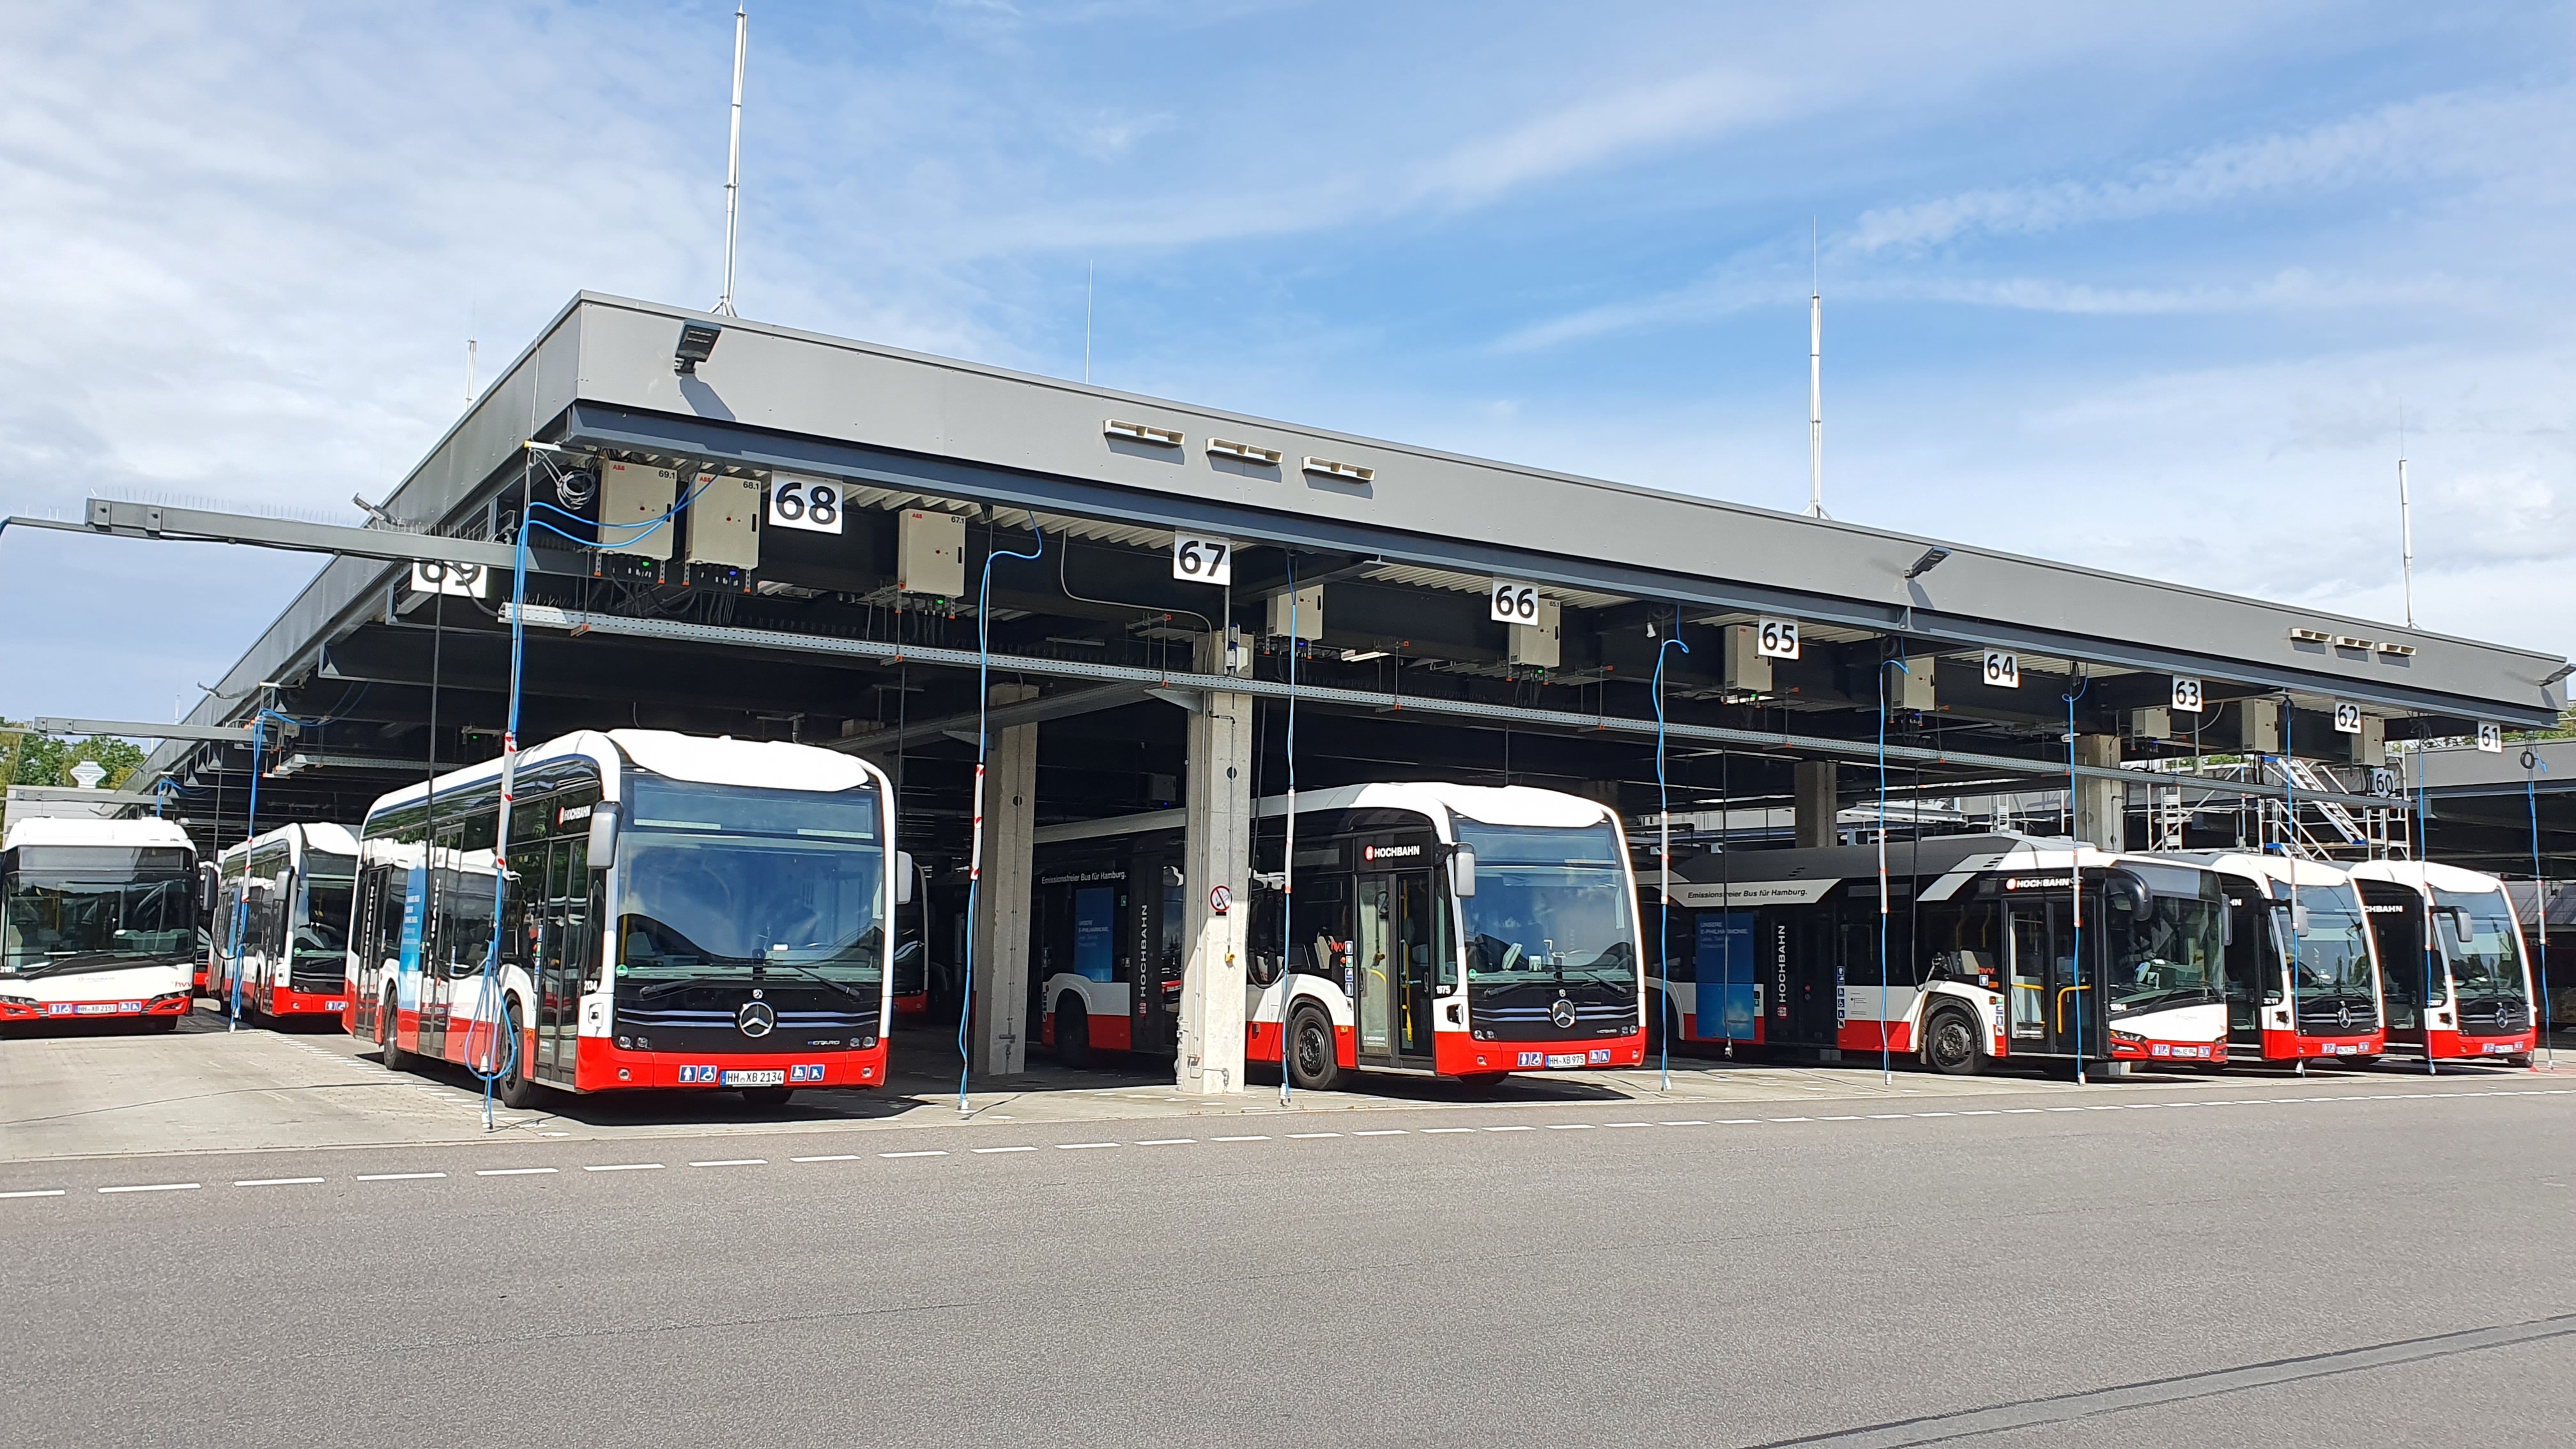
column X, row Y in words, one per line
column 1397, row 950
column 562, row 917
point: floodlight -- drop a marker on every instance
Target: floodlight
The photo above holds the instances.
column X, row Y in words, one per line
column 697, row 343
column 1931, row 560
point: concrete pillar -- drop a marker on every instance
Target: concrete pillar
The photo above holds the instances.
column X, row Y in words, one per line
column 1001, row 923
column 1217, row 851
column 1819, row 799
column 2101, row 806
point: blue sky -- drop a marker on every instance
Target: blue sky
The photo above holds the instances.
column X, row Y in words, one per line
column 2139, row 287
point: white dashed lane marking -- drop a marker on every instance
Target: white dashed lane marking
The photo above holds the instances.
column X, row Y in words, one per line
column 50, row 1192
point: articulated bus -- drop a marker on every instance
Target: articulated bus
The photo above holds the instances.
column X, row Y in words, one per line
column 2303, row 973
column 281, row 922
column 2455, row 976
column 98, row 921
column 679, row 912
column 1436, row 930
column 1780, row 949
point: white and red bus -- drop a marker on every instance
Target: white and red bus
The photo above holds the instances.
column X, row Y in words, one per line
column 98, row 922
column 679, row 912
column 1781, row 949
column 2455, row 975
column 280, row 928
column 1434, row 930
column 2303, row 973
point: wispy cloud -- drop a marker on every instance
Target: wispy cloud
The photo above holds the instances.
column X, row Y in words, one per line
column 1602, row 129
column 2459, row 134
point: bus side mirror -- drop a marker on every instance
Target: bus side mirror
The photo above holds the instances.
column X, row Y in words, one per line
column 603, row 834
column 903, row 877
column 1462, row 872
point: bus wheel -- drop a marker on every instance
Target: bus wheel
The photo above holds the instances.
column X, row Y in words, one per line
column 767, row 1099
column 1073, row 1033
column 515, row 1089
column 392, row 1052
column 1313, row 1062
column 2524, row 1061
column 163, row 1023
column 1950, row 1043
column 1482, row 1084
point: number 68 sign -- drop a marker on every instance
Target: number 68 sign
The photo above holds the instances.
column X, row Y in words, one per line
column 812, row 504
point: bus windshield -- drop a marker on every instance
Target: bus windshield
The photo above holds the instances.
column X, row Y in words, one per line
column 729, row 883
column 2168, row 951
column 1551, row 903
column 2333, row 952
column 95, row 908
column 323, row 937
column 2486, row 963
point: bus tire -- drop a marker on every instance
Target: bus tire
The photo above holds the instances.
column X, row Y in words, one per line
column 1073, row 1033
column 2522, row 1060
column 1950, row 1043
column 516, row 1088
column 767, row 1099
column 388, row 1034
column 163, row 1023
column 1314, row 1059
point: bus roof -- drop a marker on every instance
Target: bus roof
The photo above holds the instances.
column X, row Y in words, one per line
column 769, row 764
column 126, row 834
column 2255, row 865
column 1485, row 804
column 2427, row 874
column 317, row 835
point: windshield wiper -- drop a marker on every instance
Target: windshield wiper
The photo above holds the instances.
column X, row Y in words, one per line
column 86, row 961
column 840, row 987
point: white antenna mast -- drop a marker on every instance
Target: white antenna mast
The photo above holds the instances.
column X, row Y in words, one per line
column 2405, row 524
column 1816, row 387
column 469, row 369
column 1086, row 323
column 733, row 160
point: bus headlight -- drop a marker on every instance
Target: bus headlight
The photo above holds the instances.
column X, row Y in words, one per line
column 2128, row 1039
column 26, row 1002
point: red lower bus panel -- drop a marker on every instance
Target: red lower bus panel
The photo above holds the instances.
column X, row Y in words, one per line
column 1455, row 1054
column 2284, row 1046
column 599, row 1066
column 1863, row 1036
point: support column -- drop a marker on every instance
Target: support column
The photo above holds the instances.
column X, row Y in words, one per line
column 1001, row 923
column 2101, row 806
column 1217, row 803
column 1819, row 799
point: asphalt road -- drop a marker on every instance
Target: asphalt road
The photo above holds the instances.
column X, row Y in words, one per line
column 2273, row 1264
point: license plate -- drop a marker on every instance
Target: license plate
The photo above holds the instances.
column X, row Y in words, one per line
column 2499, row 1048
column 95, row 1008
column 1565, row 1059
column 776, row 1077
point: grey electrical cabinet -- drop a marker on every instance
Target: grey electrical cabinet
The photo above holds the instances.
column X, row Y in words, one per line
column 1539, row 645
column 723, row 522
column 1309, row 613
column 632, row 499
column 1744, row 666
column 930, row 553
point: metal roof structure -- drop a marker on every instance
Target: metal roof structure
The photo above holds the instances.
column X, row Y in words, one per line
column 1407, row 536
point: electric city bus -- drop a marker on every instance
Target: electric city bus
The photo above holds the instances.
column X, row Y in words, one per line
column 1433, row 930
column 281, row 922
column 98, row 921
column 2455, row 976
column 678, row 912
column 1780, row 949
column 2302, row 969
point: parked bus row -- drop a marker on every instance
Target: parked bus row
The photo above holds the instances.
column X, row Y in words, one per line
column 1973, row 950
column 670, row 911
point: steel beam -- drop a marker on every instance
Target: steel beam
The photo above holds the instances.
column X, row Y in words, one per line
column 133, row 730
column 548, row 617
column 197, row 525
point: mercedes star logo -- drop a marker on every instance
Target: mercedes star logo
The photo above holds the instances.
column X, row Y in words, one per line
column 757, row 1018
column 2343, row 1016
column 1562, row 1014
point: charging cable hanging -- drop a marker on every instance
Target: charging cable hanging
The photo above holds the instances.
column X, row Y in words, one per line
column 2533, row 767
column 2424, row 911
column 1886, row 1058
column 2075, row 872
column 1666, row 1019
column 500, row 1050
column 983, row 752
column 1288, row 862
column 250, row 828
